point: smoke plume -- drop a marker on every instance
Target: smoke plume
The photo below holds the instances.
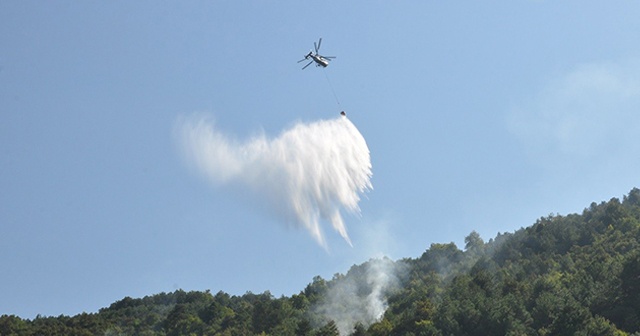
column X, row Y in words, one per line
column 307, row 174
column 361, row 295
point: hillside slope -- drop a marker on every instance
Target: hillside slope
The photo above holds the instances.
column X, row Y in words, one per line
column 565, row 275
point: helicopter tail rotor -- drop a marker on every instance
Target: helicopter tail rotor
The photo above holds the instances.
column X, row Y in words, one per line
column 306, row 57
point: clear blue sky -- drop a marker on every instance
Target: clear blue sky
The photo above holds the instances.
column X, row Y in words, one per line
column 479, row 116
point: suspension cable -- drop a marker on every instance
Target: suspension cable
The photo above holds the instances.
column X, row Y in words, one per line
column 332, row 90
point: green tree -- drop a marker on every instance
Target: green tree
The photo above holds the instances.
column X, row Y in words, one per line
column 628, row 310
column 181, row 321
column 11, row 325
column 329, row 329
column 473, row 243
column 381, row 328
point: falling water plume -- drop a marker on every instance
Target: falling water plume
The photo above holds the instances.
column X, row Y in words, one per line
column 307, row 174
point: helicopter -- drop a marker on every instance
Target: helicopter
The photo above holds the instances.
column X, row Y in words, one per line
column 320, row 60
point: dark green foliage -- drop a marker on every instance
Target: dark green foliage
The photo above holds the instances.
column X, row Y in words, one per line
column 12, row 325
column 359, row 330
column 330, row 329
column 565, row 275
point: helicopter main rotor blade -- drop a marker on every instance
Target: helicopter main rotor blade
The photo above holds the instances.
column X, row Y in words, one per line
column 302, row 60
column 319, row 43
column 304, row 67
column 328, row 56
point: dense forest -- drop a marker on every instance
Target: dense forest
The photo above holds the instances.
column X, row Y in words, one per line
column 577, row 274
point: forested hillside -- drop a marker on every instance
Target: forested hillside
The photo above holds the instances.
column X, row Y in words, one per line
column 565, row 275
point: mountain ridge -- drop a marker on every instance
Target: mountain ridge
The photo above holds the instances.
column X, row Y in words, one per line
column 577, row 274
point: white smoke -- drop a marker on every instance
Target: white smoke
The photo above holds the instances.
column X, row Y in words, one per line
column 361, row 295
column 307, row 174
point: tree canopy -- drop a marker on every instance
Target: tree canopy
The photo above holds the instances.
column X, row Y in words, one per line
column 577, row 274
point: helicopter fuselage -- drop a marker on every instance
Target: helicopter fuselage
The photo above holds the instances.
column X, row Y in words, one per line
column 320, row 61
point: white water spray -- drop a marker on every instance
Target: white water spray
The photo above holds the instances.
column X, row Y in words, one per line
column 307, row 174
